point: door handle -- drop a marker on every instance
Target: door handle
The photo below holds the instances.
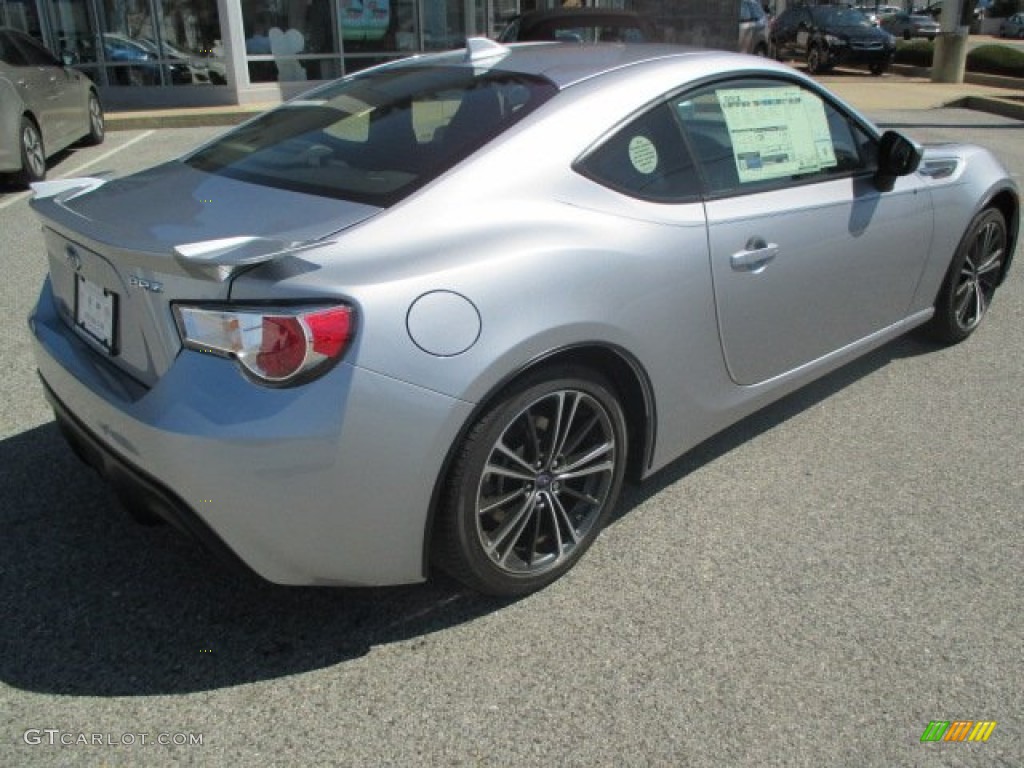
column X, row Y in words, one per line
column 757, row 254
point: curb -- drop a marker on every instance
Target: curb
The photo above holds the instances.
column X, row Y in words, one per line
column 1009, row 106
column 1004, row 107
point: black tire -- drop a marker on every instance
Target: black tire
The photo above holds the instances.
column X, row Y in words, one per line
column 906, row 34
column 533, row 483
column 761, row 50
column 815, row 63
column 972, row 278
column 877, row 69
column 97, row 125
column 33, row 153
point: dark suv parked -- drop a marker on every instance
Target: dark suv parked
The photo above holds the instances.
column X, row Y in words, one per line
column 828, row 35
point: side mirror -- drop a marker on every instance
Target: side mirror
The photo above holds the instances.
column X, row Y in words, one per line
column 897, row 156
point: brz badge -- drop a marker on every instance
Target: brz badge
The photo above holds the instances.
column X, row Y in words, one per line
column 147, row 285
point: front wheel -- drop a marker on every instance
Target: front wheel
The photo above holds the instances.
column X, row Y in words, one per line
column 971, row 282
column 33, row 154
column 533, row 483
column 815, row 61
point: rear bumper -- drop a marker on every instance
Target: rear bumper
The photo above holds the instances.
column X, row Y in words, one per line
column 325, row 483
column 137, row 489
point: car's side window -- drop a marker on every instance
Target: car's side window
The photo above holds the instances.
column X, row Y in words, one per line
column 34, row 54
column 8, row 53
column 752, row 135
column 646, row 159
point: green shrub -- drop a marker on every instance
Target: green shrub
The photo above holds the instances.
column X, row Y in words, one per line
column 916, row 53
column 996, row 60
column 988, row 59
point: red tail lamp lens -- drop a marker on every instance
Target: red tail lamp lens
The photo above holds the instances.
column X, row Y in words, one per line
column 275, row 346
column 331, row 329
column 282, row 347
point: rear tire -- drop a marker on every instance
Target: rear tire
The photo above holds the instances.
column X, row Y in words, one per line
column 533, row 483
column 97, row 125
column 972, row 279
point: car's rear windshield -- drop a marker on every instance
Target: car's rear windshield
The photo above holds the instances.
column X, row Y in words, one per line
column 378, row 136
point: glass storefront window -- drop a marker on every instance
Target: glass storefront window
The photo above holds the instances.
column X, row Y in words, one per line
column 444, row 25
column 141, row 42
column 289, row 40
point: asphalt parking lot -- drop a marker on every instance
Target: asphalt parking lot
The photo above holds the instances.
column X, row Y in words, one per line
column 810, row 588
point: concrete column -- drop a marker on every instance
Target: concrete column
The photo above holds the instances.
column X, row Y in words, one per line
column 233, row 44
column 950, row 58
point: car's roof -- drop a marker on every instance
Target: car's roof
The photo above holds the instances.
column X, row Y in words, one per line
column 567, row 63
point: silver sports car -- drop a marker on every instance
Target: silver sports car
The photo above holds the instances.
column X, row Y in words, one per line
column 434, row 313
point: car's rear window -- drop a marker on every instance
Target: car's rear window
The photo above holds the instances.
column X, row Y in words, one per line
column 378, row 136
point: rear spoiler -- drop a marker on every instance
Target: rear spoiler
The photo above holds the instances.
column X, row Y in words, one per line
column 220, row 259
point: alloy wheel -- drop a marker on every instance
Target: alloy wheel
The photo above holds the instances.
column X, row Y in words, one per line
column 979, row 275
column 546, row 482
column 32, row 151
column 96, row 124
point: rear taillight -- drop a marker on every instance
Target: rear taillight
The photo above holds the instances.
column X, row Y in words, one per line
column 277, row 346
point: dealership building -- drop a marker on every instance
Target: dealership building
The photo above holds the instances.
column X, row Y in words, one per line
column 156, row 53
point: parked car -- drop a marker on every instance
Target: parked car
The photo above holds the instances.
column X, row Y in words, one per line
column 137, row 63
column 1012, row 26
column 935, row 11
column 203, row 69
column 45, row 107
column 907, row 26
column 753, row 28
column 827, row 35
column 579, row 25
column 434, row 313
column 875, row 14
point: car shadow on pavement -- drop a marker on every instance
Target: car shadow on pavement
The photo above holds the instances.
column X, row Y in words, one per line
column 95, row 604
column 911, row 345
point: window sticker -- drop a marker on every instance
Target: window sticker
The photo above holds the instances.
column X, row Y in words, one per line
column 776, row 132
column 643, row 154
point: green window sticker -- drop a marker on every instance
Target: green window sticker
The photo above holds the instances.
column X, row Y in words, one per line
column 776, row 132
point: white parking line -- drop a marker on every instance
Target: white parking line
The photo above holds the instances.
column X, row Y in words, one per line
column 72, row 173
column 105, row 155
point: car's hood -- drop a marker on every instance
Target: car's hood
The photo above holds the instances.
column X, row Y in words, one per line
column 174, row 204
column 856, row 32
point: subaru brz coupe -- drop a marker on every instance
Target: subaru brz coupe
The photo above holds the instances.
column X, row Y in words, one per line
column 434, row 313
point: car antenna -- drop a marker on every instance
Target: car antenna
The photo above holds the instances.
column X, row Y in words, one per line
column 479, row 48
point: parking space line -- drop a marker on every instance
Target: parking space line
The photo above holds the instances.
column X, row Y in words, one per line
column 105, row 155
column 72, row 173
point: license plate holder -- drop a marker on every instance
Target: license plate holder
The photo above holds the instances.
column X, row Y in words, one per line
column 96, row 313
